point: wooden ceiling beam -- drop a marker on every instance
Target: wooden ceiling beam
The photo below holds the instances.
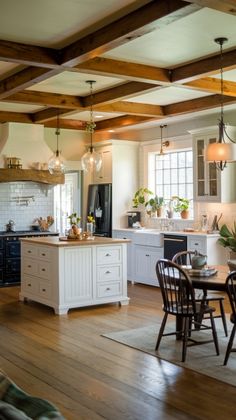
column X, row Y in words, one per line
column 49, row 114
column 125, row 90
column 204, row 67
column 46, row 99
column 213, row 85
column 226, row 6
column 23, row 79
column 119, row 122
column 29, row 55
column 132, row 108
column 137, row 23
column 194, row 105
column 67, row 123
column 124, row 69
column 15, row 117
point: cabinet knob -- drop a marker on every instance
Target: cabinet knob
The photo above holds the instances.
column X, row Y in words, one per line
column 147, row 255
column 29, row 285
column 43, row 255
column 108, row 288
column 43, row 290
column 196, row 243
column 29, row 252
column 29, row 266
column 43, row 269
column 108, row 255
column 108, row 272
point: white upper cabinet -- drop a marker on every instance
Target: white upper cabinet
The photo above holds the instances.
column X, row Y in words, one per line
column 105, row 173
column 211, row 184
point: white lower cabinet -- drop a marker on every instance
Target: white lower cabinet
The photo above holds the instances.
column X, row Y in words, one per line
column 145, row 259
column 127, row 235
column 73, row 276
column 208, row 245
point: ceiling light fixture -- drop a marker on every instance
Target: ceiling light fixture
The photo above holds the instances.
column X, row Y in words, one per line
column 163, row 143
column 56, row 162
column 91, row 160
column 221, row 152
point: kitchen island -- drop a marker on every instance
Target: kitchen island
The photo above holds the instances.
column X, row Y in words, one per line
column 66, row 274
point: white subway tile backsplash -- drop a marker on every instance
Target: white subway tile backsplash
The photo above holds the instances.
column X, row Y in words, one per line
column 23, row 202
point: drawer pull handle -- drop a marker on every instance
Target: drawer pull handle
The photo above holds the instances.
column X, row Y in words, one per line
column 43, row 269
column 108, row 255
column 147, row 255
column 196, row 243
column 29, row 266
column 43, row 255
column 29, row 252
column 108, row 288
column 29, row 285
column 107, row 272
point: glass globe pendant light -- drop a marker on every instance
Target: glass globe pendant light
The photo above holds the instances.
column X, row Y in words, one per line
column 91, row 161
column 56, row 162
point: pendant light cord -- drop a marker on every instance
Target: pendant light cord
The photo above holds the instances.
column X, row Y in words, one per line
column 57, row 134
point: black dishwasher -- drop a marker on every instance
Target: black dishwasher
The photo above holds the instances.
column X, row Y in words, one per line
column 174, row 244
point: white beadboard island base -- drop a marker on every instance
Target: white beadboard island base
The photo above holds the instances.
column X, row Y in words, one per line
column 73, row 274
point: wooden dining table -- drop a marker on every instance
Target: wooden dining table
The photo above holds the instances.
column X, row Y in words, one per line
column 215, row 282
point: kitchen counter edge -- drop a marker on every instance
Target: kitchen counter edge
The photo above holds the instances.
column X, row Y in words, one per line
column 55, row 241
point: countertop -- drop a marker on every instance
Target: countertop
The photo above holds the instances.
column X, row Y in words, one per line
column 179, row 232
column 59, row 242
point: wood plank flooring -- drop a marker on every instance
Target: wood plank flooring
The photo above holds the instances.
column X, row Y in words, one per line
column 65, row 360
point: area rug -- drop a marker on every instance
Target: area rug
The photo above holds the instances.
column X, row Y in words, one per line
column 201, row 358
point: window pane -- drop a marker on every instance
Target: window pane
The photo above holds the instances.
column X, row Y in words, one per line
column 181, row 159
column 174, row 175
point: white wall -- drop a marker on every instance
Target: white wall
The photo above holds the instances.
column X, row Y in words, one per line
column 125, row 163
column 72, row 143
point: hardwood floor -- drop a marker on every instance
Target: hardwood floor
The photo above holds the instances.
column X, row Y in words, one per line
column 65, row 360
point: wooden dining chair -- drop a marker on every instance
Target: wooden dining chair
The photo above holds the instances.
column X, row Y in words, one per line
column 185, row 258
column 230, row 285
column 179, row 301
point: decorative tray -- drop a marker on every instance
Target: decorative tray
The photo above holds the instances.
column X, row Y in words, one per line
column 204, row 272
column 66, row 238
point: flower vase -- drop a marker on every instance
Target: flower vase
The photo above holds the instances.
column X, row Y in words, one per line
column 90, row 230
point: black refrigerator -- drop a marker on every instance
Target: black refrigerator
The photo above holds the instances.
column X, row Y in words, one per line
column 100, row 207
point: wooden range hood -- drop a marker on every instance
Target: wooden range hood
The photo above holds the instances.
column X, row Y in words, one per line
column 34, row 175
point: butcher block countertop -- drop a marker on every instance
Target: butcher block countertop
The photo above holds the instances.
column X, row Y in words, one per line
column 59, row 241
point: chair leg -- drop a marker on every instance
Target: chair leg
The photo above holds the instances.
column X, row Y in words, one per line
column 161, row 330
column 230, row 344
column 222, row 311
column 185, row 338
column 214, row 334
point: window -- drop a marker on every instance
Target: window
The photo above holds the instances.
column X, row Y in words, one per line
column 67, row 199
column 172, row 174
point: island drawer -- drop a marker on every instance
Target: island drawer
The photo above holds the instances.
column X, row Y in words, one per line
column 109, row 255
column 37, row 268
column 41, row 252
column 45, row 290
column 111, row 289
column 108, row 273
column 30, row 285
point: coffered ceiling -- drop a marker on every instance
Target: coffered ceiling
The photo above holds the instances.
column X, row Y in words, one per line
column 152, row 60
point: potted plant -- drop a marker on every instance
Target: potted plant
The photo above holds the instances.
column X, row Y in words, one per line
column 141, row 197
column 228, row 238
column 156, row 205
column 182, row 206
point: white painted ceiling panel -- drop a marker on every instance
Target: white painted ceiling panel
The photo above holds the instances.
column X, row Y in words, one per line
column 182, row 41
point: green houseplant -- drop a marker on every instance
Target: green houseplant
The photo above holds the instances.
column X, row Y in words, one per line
column 228, row 237
column 141, row 197
column 156, row 204
column 181, row 206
